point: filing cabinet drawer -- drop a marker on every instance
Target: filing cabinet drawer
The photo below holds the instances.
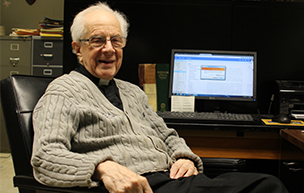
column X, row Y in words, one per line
column 47, row 51
column 15, row 56
column 47, row 71
column 7, row 71
column 15, row 53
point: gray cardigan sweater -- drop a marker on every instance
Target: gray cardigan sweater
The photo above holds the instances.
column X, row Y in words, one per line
column 76, row 128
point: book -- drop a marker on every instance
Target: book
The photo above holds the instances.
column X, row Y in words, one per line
column 162, row 86
column 51, row 34
column 51, row 22
column 49, row 26
column 147, row 81
column 59, row 30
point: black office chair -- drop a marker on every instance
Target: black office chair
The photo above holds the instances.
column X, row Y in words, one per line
column 19, row 95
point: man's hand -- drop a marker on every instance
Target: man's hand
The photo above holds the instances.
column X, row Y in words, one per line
column 183, row 168
column 118, row 179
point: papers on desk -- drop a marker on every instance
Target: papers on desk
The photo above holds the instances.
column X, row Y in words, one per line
column 292, row 123
column 182, row 103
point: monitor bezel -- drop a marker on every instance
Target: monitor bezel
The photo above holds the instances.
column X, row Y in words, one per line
column 236, row 99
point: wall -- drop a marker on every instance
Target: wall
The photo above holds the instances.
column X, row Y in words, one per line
column 273, row 29
column 19, row 14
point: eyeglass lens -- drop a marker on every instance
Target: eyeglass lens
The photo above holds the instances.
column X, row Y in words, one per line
column 117, row 42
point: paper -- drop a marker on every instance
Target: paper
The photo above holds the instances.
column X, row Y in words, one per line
column 150, row 90
column 182, row 103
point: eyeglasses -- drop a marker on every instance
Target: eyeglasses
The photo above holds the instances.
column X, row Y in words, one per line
column 100, row 42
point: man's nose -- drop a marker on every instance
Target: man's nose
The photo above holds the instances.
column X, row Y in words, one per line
column 108, row 46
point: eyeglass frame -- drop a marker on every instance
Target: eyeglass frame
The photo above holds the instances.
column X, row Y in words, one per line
column 90, row 41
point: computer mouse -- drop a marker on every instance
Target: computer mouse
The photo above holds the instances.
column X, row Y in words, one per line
column 281, row 118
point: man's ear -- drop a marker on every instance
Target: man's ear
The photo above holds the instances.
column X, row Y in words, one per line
column 77, row 50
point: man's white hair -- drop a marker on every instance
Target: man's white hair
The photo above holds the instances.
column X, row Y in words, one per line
column 78, row 28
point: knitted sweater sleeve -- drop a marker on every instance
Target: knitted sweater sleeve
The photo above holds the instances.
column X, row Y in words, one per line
column 55, row 122
column 176, row 146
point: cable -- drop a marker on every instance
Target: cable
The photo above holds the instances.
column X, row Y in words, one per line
column 271, row 100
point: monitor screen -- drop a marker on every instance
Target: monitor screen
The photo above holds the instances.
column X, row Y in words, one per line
column 214, row 75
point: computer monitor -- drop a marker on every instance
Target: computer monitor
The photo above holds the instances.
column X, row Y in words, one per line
column 214, row 75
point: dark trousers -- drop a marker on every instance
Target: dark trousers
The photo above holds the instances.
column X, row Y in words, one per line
column 233, row 182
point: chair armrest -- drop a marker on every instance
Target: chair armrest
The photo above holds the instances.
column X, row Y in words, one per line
column 29, row 183
column 216, row 166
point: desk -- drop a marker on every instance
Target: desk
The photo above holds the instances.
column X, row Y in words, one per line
column 292, row 145
column 267, row 146
column 231, row 141
column 292, row 158
column 251, row 140
column 294, row 136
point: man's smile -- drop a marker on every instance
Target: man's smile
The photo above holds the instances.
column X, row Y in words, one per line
column 106, row 62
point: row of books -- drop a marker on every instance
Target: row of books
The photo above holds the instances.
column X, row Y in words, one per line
column 48, row 27
column 154, row 80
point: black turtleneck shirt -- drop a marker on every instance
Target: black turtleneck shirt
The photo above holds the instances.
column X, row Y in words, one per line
column 110, row 91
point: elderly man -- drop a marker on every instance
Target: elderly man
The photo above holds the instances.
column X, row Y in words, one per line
column 92, row 128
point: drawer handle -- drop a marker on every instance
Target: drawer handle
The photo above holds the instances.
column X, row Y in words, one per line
column 48, row 44
column 14, row 72
column 46, row 55
column 47, row 72
column 14, row 61
column 14, row 47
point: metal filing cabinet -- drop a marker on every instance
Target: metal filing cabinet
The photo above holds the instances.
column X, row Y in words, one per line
column 47, row 56
column 15, row 56
column 15, row 59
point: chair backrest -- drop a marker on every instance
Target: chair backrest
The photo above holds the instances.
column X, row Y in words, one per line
column 19, row 95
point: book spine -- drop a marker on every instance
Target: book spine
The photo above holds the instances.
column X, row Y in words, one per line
column 141, row 74
column 147, row 80
column 162, row 84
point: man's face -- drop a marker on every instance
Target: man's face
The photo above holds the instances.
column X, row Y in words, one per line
column 101, row 62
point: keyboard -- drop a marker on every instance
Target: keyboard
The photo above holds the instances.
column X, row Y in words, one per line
column 205, row 117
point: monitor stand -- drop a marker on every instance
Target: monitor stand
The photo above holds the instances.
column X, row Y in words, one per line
column 211, row 106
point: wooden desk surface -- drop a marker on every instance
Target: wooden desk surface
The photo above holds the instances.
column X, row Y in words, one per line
column 295, row 136
column 226, row 144
column 233, row 141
